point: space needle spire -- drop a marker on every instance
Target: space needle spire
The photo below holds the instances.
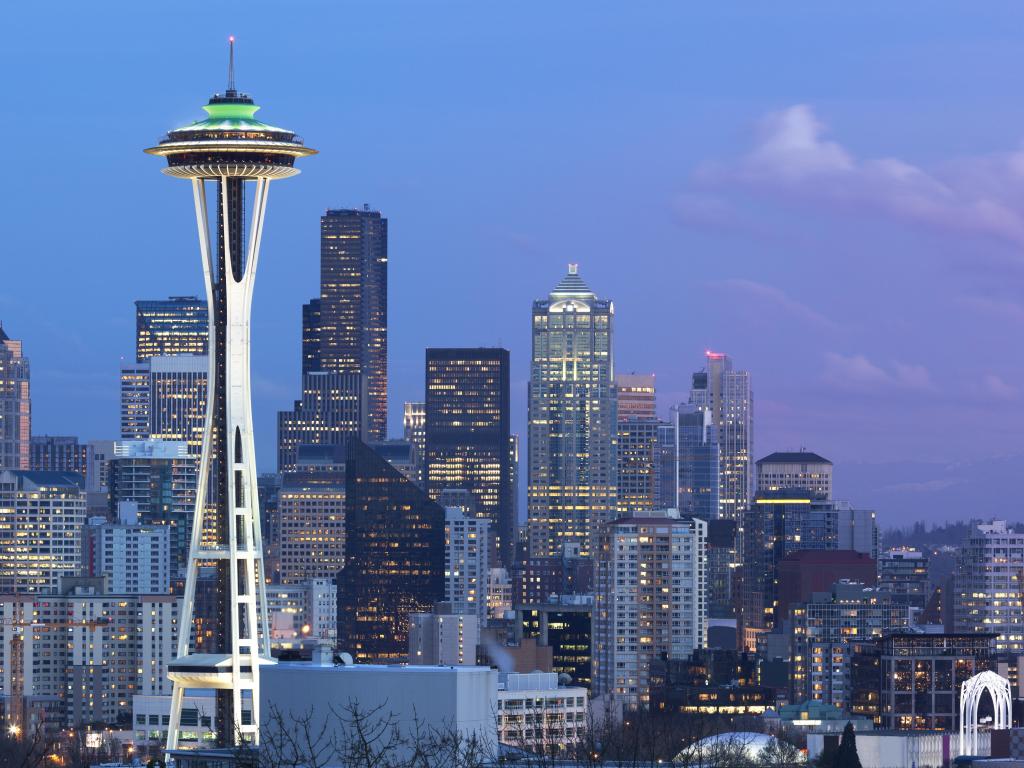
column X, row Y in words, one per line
column 225, row 155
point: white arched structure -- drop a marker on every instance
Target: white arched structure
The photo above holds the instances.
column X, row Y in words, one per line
column 970, row 697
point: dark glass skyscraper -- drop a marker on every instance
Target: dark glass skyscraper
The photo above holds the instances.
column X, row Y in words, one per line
column 467, row 435
column 311, row 336
column 394, row 557
column 175, row 326
column 15, row 405
column 353, row 306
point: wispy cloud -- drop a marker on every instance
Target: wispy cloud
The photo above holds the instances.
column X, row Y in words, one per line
column 792, row 156
column 995, row 386
column 998, row 308
column 858, row 373
column 775, row 297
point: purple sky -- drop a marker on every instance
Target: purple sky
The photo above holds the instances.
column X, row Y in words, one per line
column 833, row 196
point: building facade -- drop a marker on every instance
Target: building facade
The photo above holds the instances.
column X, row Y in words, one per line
column 537, row 714
column 987, row 595
column 309, row 534
column 799, row 470
column 134, row 559
column 564, row 627
column 175, row 326
column 41, row 520
column 394, row 557
column 332, row 409
column 650, row 599
column 903, row 572
column 727, row 395
column 572, row 419
column 15, row 405
column 164, row 398
column 353, row 306
column 637, row 442
column 53, row 453
column 446, row 635
column 414, row 430
column 467, row 417
column 466, row 562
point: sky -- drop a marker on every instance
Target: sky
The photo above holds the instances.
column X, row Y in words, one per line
column 833, row 194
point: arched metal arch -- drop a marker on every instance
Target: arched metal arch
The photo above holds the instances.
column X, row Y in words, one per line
column 970, row 697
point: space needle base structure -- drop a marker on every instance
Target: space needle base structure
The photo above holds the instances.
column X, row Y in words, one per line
column 229, row 157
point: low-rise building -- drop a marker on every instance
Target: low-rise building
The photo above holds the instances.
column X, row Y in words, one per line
column 535, row 713
column 444, row 636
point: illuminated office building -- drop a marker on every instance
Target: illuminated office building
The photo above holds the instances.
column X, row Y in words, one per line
column 309, row 534
column 903, row 572
column 394, row 557
column 698, row 462
column 41, row 520
column 351, row 321
column 467, row 435
column 572, row 419
column 414, row 430
column 795, row 469
column 58, row 453
column 15, row 405
column 635, row 396
column 175, row 326
column 726, row 394
column 331, row 410
column 311, row 336
column 466, row 562
column 164, row 398
column 637, row 436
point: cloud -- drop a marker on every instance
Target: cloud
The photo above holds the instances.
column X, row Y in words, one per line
column 996, row 387
column 924, row 486
column 856, row 372
column 768, row 294
column 792, row 156
column 998, row 308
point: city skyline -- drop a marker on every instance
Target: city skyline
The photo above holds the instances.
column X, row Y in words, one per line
column 877, row 403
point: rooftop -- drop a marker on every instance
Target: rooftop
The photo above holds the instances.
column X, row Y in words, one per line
column 793, row 457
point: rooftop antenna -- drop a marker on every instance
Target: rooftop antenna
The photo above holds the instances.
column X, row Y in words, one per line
column 231, row 63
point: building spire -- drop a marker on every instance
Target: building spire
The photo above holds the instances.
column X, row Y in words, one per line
column 231, row 63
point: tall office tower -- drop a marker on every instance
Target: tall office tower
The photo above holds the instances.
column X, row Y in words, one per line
column 310, row 527
column 164, row 398
column 788, row 521
column 354, row 305
column 175, row 326
column 649, row 599
column 795, row 470
column 53, row 453
column 15, row 405
column 903, row 573
column 987, row 594
column 41, row 519
column 467, row 435
column 466, row 562
column 220, row 154
column 135, row 559
column 637, row 436
column 572, row 421
column 698, row 462
column 394, row 557
column 331, row 410
column 157, row 480
column 311, row 360
column 667, row 473
column 414, row 430
column 826, row 632
column 727, row 396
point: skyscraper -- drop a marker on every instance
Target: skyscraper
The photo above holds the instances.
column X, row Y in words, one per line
column 795, row 469
column 572, row 423
column 637, row 442
column 165, row 398
column 175, row 326
column 224, row 151
column 310, row 529
column 647, row 602
column 332, row 409
column 15, row 405
column 727, row 396
column 353, row 306
column 698, row 462
column 394, row 557
column 311, row 337
column 987, row 594
column 467, row 435
column 414, row 421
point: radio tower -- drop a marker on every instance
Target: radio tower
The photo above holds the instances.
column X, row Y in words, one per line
column 226, row 154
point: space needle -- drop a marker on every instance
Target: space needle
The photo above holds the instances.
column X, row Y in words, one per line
column 229, row 156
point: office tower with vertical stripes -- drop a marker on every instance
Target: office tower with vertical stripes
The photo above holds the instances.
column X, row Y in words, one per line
column 468, row 413
column 572, row 421
column 175, row 326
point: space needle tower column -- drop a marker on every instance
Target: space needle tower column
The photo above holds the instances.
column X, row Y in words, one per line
column 228, row 156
